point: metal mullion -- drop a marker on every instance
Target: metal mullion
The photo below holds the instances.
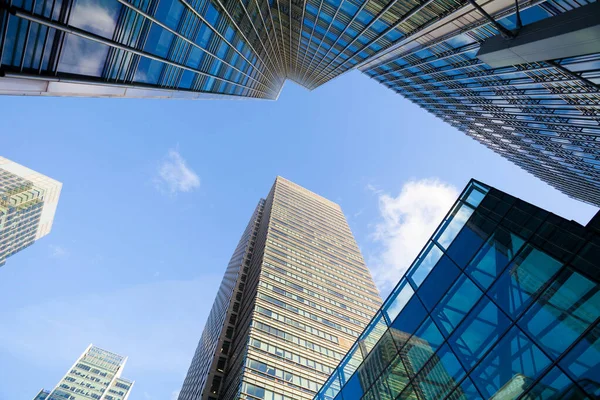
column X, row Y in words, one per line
column 360, row 9
column 299, row 67
column 477, row 112
column 255, row 32
column 483, row 23
column 127, row 37
column 290, row 34
column 453, row 79
column 520, row 121
column 324, row 37
column 268, row 54
column 310, row 38
column 67, row 29
column 201, row 17
column 285, row 71
column 461, row 89
column 279, row 47
column 504, row 96
column 274, row 48
column 436, row 58
column 402, row 20
column 174, row 32
column 555, row 106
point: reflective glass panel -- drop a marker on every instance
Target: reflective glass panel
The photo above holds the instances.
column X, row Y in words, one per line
column 510, row 367
column 565, row 309
column 478, row 332
column 495, row 254
column 456, row 303
column 582, row 363
column 437, row 283
column 522, row 279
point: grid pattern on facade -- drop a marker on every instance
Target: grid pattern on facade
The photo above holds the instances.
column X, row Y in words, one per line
column 27, row 205
column 205, row 374
column 503, row 302
column 307, row 295
column 96, row 375
column 542, row 116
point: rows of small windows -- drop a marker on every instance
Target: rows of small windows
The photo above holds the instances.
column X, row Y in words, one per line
column 274, row 289
column 317, row 244
column 324, row 351
column 257, row 392
column 320, row 287
column 288, row 321
column 272, row 246
column 281, row 262
column 314, row 294
column 322, row 218
column 313, row 236
column 332, row 265
column 336, row 231
column 281, row 376
column 290, row 356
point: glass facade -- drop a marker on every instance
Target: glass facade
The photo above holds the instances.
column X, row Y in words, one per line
column 301, row 296
column 28, row 203
column 95, row 375
column 543, row 116
column 503, row 302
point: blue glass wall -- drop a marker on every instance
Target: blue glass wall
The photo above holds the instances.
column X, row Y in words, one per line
column 503, row 302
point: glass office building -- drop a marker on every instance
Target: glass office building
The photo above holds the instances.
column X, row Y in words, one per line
column 540, row 111
column 502, row 303
column 96, row 375
column 295, row 296
column 28, row 202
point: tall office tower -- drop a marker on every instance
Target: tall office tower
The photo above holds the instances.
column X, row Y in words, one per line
column 502, row 303
column 295, row 296
column 95, row 375
column 533, row 98
column 28, row 203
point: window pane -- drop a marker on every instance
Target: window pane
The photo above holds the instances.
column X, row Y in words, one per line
column 450, row 228
column 563, row 312
column 554, row 386
column 372, row 334
column 466, row 391
column 478, row 332
column 493, row 257
column 410, row 318
column 397, row 377
column 437, row 283
column 456, row 303
column 512, row 365
column 350, row 363
column 522, row 279
column 397, row 300
column 381, row 356
column 582, row 363
column 470, row 239
column 425, row 264
column 440, row 375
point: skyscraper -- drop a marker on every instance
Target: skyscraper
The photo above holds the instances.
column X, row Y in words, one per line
column 294, row 297
column 95, row 375
column 503, row 302
column 533, row 99
column 28, row 203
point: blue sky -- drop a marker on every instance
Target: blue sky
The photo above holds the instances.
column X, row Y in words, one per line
column 156, row 194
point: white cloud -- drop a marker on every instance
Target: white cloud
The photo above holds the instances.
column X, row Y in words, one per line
column 407, row 222
column 175, row 176
column 175, row 395
column 58, row 252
